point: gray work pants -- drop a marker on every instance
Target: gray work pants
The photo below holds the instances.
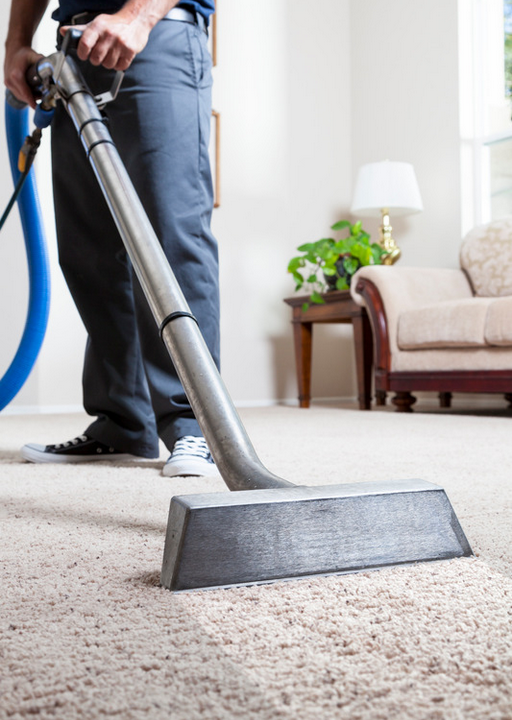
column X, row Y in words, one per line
column 160, row 123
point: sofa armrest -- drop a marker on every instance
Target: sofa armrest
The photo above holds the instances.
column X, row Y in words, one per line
column 386, row 291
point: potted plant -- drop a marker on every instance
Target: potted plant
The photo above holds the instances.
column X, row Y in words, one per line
column 329, row 264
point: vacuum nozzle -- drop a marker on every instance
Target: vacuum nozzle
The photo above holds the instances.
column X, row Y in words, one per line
column 257, row 536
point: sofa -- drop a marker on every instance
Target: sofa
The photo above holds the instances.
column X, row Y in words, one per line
column 443, row 330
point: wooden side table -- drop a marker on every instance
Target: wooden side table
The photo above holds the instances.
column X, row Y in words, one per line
column 338, row 308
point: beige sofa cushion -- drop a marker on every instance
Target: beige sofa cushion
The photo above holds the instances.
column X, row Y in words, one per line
column 452, row 359
column 404, row 288
column 486, row 257
column 498, row 325
column 456, row 323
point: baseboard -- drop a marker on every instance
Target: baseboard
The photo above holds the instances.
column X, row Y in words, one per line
column 293, row 402
column 71, row 409
column 42, row 409
column 474, row 400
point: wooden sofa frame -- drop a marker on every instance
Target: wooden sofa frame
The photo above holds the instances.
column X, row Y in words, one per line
column 404, row 383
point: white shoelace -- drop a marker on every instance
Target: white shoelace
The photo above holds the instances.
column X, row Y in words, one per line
column 192, row 447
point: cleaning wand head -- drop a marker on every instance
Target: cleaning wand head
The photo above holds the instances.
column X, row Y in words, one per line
column 255, row 536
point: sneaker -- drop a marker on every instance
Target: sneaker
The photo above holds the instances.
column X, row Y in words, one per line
column 81, row 449
column 190, row 456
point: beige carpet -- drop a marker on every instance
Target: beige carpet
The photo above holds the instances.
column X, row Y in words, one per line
column 85, row 631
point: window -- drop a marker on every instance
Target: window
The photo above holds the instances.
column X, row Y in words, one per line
column 507, row 18
column 485, row 53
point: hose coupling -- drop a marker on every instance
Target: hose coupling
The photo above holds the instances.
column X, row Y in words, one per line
column 28, row 151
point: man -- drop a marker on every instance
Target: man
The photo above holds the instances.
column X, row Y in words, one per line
column 160, row 124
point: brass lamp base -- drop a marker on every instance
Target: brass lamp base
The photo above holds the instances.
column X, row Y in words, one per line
column 391, row 250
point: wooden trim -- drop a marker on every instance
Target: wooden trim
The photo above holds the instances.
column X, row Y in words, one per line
column 338, row 307
column 213, row 32
column 479, row 381
column 378, row 320
column 363, row 341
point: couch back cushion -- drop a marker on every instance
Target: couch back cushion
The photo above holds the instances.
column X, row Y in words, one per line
column 486, row 257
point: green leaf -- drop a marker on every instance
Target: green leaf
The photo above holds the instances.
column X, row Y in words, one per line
column 367, row 258
column 295, row 263
column 305, row 306
column 326, row 251
column 306, row 247
column 363, row 239
column 362, row 253
column 356, row 250
column 350, row 264
column 340, row 225
column 343, row 246
column 329, row 270
column 341, row 284
column 377, row 253
column 317, row 298
column 312, row 278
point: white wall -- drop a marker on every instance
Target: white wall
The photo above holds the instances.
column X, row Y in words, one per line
column 282, row 86
column 307, row 93
column 405, row 107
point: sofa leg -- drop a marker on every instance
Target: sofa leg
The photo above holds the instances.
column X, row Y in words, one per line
column 445, row 399
column 404, row 401
column 380, row 397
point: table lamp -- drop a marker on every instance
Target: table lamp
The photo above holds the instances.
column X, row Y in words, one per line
column 383, row 188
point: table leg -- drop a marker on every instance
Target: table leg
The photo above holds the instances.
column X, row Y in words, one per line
column 363, row 341
column 302, row 335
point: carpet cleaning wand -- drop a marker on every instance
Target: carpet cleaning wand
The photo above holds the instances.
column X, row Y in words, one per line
column 275, row 529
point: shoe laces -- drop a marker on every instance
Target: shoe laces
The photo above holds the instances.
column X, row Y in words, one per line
column 192, row 446
column 70, row 443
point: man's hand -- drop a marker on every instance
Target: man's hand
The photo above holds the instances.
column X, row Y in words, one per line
column 15, row 68
column 112, row 40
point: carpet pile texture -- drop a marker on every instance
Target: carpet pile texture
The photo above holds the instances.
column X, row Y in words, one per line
column 86, row 632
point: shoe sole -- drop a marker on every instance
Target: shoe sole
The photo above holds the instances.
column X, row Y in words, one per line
column 190, row 469
column 33, row 454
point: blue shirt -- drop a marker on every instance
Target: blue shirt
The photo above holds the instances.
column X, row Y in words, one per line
column 68, row 8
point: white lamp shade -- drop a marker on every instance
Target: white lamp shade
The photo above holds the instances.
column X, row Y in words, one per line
column 386, row 185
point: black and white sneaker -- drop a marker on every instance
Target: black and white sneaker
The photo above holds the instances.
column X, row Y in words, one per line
column 81, row 449
column 190, row 456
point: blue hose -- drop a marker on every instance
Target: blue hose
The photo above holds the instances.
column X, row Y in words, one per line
column 17, row 128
